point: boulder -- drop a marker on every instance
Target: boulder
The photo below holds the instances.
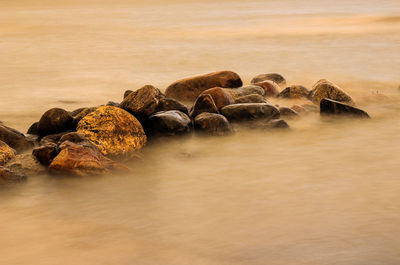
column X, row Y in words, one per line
column 127, row 92
column 78, row 116
column 55, row 120
column 142, row 102
column 294, row 92
column 112, row 104
column 168, row 123
column 14, row 139
column 252, row 98
column 9, row 177
column 288, row 113
column 246, row 90
column 188, row 89
column 204, row 103
column 220, row 96
column 81, row 160
column 33, row 129
column 52, row 138
column 270, row 87
column 250, row 111
column 326, row 89
column 45, row 153
column 166, row 104
column 113, row 130
column 73, row 137
column 6, row 153
column 212, row 124
column 277, row 78
column 330, row 107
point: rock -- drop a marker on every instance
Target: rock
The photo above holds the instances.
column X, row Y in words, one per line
column 127, row 92
column 82, row 161
column 294, row 92
column 166, row 104
column 45, row 153
column 73, row 137
column 271, row 88
column 212, row 124
column 33, row 129
column 268, row 125
column 113, row 130
column 26, row 164
column 246, row 90
column 52, row 138
column 329, row 106
column 277, row 78
column 76, row 111
column 168, row 123
column 55, row 120
column 9, row 177
column 190, row 88
column 112, row 104
column 220, row 96
column 142, row 102
column 14, row 139
column 326, row 89
column 250, row 111
column 204, row 103
column 6, row 153
column 79, row 116
column 253, row 98
column 299, row 109
column 288, row 113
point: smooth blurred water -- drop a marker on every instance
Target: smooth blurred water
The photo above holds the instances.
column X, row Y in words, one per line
column 322, row 193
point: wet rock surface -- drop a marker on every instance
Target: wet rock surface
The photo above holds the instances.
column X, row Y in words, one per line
column 277, row 78
column 55, row 120
column 252, row 98
column 204, row 103
column 326, row 89
column 6, row 153
column 212, row 124
column 271, row 88
column 14, row 139
column 188, row 89
column 295, row 91
column 246, row 90
column 220, row 96
column 168, row 123
column 250, row 111
column 332, row 107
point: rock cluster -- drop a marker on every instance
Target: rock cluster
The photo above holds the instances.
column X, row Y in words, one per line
column 91, row 140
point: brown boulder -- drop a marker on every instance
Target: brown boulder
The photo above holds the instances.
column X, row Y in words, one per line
column 188, row 89
column 277, row 78
column 288, row 113
column 166, row 104
column 45, row 153
column 295, row 91
column 212, row 124
column 270, row 87
column 252, row 98
column 113, row 130
column 204, row 103
column 333, row 107
column 220, row 96
column 326, row 89
column 55, row 120
column 6, row 153
column 81, row 160
column 14, row 139
column 246, row 90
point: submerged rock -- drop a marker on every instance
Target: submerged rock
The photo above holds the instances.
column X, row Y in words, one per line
column 6, row 153
column 188, row 89
column 326, row 89
column 82, row 160
column 277, row 78
column 55, row 120
column 271, row 88
column 113, row 130
column 252, row 98
column 142, row 102
column 204, row 103
column 299, row 109
column 267, row 125
column 329, row 106
column 52, row 138
column 27, row 165
column 295, row 91
column 288, row 113
column 212, row 124
column 7, row 176
column 14, row 139
column 168, row 123
column 220, row 96
column 250, row 111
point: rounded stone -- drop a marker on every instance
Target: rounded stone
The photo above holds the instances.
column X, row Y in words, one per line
column 270, row 87
column 55, row 120
column 294, row 92
column 212, row 124
column 220, row 96
column 326, row 89
column 277, row 78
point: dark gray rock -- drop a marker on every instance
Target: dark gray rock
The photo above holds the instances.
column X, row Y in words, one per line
column 33, row 129
column 167, row 123
column 250, row 111
column 45, row 153
column 332, row 107
column 212, row 124
column 14, row 139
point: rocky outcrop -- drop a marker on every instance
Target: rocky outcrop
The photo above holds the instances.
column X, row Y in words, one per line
column 6, row 153
column 190, row 88
column 252, row 98
column 326, row 89
column 14, row 139
column 332, row 107
column 204, row 103
column 294, row 92
column 250, row 111
column 212, row 124
column 142, row 102
column 168, row 123
column 55, row 120
column 270, row 87
column 277, row 78
column 113, row 130
column 82, row 160
column 220, row 96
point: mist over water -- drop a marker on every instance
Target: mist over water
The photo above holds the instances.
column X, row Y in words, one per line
column 325, row 192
